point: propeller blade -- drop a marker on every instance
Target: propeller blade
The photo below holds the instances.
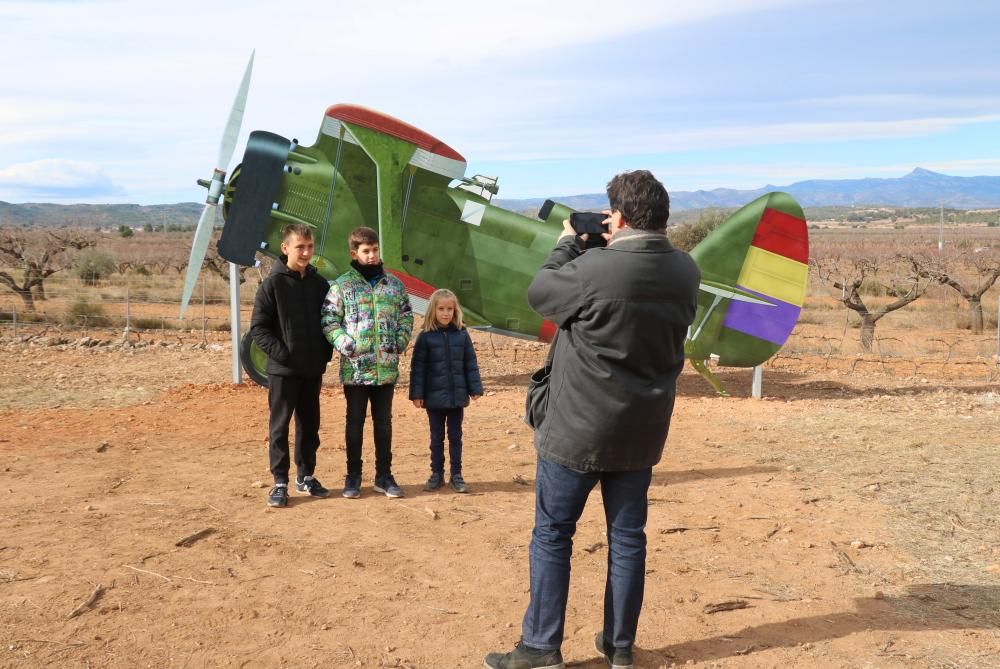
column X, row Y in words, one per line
column 199, row 247
column 232, row 132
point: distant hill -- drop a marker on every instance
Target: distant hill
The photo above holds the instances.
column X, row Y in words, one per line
column 98, row 215
column 919, row 188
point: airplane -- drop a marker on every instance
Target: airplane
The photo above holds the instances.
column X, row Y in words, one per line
column 438, row 229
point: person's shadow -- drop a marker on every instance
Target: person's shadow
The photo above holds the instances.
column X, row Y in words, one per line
column 924, row 607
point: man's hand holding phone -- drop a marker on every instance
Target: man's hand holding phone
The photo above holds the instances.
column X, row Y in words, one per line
column 591, row 228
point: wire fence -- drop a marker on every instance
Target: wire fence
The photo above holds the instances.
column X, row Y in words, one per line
column 908, row 342
column 120, row 311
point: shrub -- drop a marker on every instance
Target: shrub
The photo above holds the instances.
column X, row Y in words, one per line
column 95, row 266
column 82, row 312
column 150, row 323
column 687, row 235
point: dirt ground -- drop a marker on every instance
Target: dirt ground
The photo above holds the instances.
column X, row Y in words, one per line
column 851, row 515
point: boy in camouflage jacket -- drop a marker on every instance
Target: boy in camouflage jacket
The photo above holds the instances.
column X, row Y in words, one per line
column 368, row 319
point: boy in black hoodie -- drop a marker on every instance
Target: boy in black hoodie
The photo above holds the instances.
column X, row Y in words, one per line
column 285, row 325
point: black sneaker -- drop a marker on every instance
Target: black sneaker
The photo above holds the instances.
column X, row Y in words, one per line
column 311, row 486
column 458, row 483
column 387, row 485
column 525, row 657
column 352, row 486
column 617, row 658
column 435, row 481
column 278, row 496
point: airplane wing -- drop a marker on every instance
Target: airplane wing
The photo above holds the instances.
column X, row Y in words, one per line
column 761, row 251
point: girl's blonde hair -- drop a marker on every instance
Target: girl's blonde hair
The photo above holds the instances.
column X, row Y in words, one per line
column 430, row 320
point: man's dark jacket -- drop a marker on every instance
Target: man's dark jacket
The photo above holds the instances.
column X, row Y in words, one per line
column 623, row 312
column 444, row 371
column 285, row 322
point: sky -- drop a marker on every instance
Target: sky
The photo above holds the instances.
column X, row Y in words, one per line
column 105, row 101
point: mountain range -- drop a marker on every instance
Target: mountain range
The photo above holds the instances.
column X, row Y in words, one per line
column 919, row 188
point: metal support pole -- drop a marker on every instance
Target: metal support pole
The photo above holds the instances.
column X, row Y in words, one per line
column 758, row 381
column 128, row 314
column 204, row 340
column 13, row 311
column 234, row 321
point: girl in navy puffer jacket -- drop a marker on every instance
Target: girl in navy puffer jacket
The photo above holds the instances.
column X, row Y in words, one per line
column 444, row 375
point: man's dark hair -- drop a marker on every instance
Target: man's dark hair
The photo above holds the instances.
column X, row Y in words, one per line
column 361, row 236
column 300, row 229
column 642, row 200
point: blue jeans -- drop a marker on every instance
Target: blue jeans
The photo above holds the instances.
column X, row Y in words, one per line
column 560, row 496
column 438, row 419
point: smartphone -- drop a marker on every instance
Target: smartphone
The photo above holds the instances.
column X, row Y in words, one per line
column 591, row 224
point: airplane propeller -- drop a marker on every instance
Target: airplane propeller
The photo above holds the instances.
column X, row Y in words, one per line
column 203, row 233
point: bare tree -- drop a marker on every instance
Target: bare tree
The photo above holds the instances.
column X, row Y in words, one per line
column 219, row 265
column 862, row 278
column 970, row 272
column 37, row 256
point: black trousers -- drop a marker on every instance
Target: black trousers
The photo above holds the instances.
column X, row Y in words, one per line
column 298, row 395
column 439, row 419
column 357, row 398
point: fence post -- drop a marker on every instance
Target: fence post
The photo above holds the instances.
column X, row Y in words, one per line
column 13, row 311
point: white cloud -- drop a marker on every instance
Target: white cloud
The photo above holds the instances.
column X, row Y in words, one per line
column 56, row 178
column 142, row 88
column 603, row 141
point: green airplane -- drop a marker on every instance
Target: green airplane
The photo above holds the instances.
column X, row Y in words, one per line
column 438, row 229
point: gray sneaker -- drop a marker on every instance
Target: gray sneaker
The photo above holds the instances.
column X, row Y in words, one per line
column 311, row 486
column 352, row 486
column 458, row 483
column 617, row 658
column 278, row 496
column 525, row 657
column 435, row 481
column 387, row 485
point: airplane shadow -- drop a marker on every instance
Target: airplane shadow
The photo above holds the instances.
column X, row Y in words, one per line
column 922, row 607
column 675, row 477
column 659, row 478
column 776, row 384
column 795, row 385
column 483, row 488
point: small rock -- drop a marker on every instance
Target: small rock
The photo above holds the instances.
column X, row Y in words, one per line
column 792, row 468
column 857, row 543
column 88, row 508
column 257, row 484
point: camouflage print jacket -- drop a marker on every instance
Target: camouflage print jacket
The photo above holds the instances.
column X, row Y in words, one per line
column 368, row 325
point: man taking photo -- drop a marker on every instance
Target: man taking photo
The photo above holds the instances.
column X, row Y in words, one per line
column 623, row 312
